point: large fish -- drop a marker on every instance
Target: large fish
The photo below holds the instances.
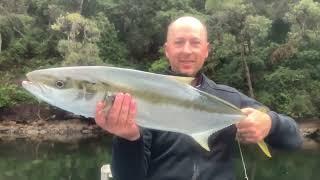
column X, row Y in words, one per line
column 164, row 102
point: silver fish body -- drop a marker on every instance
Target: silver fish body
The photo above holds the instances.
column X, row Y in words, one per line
column 162, row 102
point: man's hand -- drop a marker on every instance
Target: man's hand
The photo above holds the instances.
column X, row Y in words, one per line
column 255, row 127
column 120, row 119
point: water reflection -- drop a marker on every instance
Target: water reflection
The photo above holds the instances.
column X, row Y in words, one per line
column 298, row 165
column 26, row 160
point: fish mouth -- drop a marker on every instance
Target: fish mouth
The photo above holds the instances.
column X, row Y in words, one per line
column 29, row 77
column 32, row 87
column 32, row 82
column 29, row 82
column 26, row 83
column 29, row 85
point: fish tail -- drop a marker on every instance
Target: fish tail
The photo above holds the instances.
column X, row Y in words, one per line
column 263, row 146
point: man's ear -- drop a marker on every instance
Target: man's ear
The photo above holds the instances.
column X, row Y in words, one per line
column 165, row 47
column 209, row 49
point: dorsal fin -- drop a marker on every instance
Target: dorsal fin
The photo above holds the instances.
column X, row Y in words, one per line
column 182, row 79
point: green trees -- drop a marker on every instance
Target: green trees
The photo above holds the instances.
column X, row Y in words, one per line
column 112, row 50
column 80, row 46
column 298, row 73
column 268, row 53
column 268, row 49
column 141, row 25
column 248, row 31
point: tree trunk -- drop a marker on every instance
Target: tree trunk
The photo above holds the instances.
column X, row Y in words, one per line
column 249, row 46
column 247, row 71
column 80, row 6
column 0, row 42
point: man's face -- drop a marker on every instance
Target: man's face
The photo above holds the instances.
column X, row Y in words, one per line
column 186, row 47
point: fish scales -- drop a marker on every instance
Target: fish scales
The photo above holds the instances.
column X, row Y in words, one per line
column 162, row 103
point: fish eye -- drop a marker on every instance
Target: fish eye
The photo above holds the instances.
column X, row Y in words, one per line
column 59, row 84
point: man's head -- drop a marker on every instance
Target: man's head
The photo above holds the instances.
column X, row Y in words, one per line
column 187, row 46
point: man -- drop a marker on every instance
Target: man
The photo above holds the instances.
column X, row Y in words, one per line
column 140, row 153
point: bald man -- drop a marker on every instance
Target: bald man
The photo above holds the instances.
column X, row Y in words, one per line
column 146, row 154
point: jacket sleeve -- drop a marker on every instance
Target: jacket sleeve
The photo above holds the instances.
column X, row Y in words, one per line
column 284, row 132
column 130, row 159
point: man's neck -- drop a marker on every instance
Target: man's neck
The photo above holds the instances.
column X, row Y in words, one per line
column 197, row 79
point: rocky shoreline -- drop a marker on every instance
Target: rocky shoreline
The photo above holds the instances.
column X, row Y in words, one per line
column 46, row 123
column 310, row 130
column 72, row 130
column 60, row 131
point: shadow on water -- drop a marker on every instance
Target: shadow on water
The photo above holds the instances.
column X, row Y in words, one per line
column 26, row 160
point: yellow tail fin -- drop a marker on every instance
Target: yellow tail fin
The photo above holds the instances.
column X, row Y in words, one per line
column 263, row 146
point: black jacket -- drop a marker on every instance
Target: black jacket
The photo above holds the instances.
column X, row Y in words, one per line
column 160, row 155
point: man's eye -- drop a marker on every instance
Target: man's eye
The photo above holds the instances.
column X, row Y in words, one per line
column 195, row 42
column 178, row 42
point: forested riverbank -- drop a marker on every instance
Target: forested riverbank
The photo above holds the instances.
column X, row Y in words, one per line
column 269, row 50
column 47, row 124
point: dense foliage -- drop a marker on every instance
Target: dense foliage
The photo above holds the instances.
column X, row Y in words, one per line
column 267, row 49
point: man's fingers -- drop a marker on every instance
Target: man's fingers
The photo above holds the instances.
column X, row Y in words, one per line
column 250, row 140
column 132, row 113
column 123, row 115
column 99, row 108
column 247, row 140
column 100, row 115
column 248, row 122
column 249, row 136
column 247, row 130
column 247, row 111
column 114, row 111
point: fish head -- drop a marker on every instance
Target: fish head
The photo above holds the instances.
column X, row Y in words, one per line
column 66, row 88
column 49, row 78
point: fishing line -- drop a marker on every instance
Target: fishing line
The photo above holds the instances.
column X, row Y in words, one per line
column 243, row 163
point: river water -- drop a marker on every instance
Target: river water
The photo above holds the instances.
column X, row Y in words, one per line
column 28, row 160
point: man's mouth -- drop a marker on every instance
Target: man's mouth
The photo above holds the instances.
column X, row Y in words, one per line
column 186, row 61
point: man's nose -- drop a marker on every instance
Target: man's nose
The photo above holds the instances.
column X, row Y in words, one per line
column 187, row 48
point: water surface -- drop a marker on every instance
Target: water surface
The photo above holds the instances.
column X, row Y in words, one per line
column 27, row 160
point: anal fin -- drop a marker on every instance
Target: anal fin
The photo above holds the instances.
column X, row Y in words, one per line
column 202, row 139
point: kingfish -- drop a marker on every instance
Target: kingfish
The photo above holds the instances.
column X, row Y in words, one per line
column 167, row 103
